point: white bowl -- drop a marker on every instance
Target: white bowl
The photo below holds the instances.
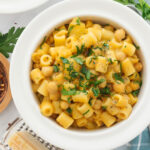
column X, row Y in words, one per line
column 106, row 11
column 16, row 6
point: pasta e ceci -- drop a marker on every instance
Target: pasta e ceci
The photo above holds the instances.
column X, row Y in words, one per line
column 86, row 75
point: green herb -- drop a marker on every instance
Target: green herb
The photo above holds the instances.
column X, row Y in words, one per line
column 70, row 92
column 98, row 48
column 8, row 40
column 96, row 91
column 80, row 50
column 136, row 92
column 106, row 45
column 74, row 74
column 95, row 83
column 86, row 72
column 79, row 60
column 78, row 21
column 44, row 39
column 90, row 52
column 86, row 112
column 69, row 99
column 141, row 5
column 110, row 61
column 93, row 57
column 90, row 101
column 137, row 47
column 138, row 82
column 105, row 91
column 69, row 110
column 64, row 60
column 56, row 68
column 70, row 29
column 117, row 76
column 104, row 107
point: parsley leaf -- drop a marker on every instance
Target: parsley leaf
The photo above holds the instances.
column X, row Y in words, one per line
column 86, row 72
column 95, row 83
column 8, row 40
column 105, row 91
column 78, row 60
column 96, row 91
column 69, row 110
column 141, row 5
column 70, row 92
column 64, row 60
column 136, row 92
column 70, row 29
column 78, row 21
column 80, row 50
column 90, row 101
column 86, row 112
column 74, row 74
column 117, row 76
column 56, row 68
column 104, row 107
column 110, row 60
column 44, row 39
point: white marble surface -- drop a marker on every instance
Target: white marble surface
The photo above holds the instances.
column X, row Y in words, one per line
column 6, row 22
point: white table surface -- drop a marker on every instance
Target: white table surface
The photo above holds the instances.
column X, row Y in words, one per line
column 6, row 22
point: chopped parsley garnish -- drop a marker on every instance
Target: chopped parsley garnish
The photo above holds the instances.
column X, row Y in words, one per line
column 74, row 74
column 117, row 76
column 69, row 99
column 96, row 91
column 105, row 91
column 98, row 48
column 79, row 60
column 70, row 29
column 78, row 21
column 70, row 92
column 56, row 68
column 136, row 92
column 64, row 60
column 90, row 52
column 86, row 72
column 93, row 57
column 104, row 107
column 80, row 50
column 44, row 39
column 69, row 110
column 90, row 101
column 110, row 61
column 95, row 83
column 86, row 112
column 137, row 47
column 105, row 46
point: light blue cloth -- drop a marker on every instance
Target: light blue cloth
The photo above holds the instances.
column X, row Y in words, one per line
column 142, row 142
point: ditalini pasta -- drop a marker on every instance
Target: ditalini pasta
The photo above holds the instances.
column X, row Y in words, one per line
column 86, row 75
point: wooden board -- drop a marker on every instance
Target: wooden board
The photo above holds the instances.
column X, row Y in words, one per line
column 7, row 96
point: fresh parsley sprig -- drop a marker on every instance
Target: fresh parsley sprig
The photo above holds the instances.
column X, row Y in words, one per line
column 141, row 5
column 8, row 40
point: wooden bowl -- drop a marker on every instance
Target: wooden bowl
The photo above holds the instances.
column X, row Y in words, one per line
column 5, row 96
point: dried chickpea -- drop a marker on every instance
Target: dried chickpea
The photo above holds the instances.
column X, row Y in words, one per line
column 97, row 104
column 119, row 35
column 64, row 105
column 47, row 71
column 119, row 87
column 138, row 66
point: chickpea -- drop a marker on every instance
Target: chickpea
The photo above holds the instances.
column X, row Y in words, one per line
column 119, row 87
column 64, row 105
column 119, row 35
column 103, row 84
column 97, row 104
column 138, row 66
column 120, row 55
column 134, row 86
column 47, row 71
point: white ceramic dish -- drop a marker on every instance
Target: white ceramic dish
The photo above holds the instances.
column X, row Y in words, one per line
column 106, row 11
column 16, row 6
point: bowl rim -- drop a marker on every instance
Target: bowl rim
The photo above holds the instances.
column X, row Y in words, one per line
column 20, row 8
column 78, row 139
